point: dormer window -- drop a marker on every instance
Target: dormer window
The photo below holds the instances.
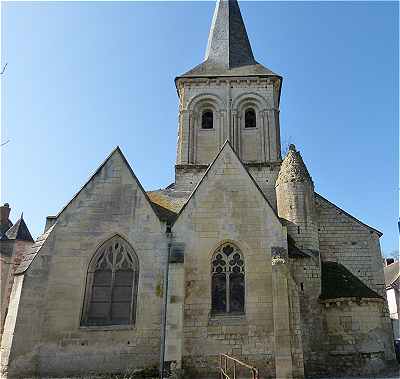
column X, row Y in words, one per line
column 207, row 119
column 250, row 120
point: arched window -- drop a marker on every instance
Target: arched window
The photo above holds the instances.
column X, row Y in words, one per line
column 207, row 119
column 111, row 285
column 227, row 282
column 250, row 120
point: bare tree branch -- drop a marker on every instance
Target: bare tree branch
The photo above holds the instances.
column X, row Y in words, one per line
column 4, row 69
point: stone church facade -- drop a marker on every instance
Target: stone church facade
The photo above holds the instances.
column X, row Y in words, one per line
column 258, row 264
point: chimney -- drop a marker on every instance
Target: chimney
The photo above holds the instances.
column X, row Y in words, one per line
column 4, row 213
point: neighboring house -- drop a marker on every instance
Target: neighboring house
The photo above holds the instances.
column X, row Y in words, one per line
column 15, row 241
column 259, row 265
column 392, row 282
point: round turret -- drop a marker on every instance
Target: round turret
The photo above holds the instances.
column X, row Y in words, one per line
column 295, row 200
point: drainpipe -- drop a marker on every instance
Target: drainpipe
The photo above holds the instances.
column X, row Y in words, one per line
column 165, row 303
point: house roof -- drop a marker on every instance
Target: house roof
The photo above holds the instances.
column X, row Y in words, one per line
column 338, row 282
column 228, row 52
column 392, row 274
column 19, row 231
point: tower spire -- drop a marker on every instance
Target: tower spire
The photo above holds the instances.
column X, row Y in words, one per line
column 228, row 50
column 228, row 43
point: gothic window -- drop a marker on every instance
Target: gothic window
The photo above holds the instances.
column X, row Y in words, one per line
column 207, row 120
column 227, row 281
column 250, row 120
column 111, row 285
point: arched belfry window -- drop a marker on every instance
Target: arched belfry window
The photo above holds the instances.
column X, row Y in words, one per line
column 111, row 285
column 207, row 119
column 227, row 282
column 250, row 119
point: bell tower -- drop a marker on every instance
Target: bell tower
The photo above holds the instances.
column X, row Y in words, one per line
column 230, row 96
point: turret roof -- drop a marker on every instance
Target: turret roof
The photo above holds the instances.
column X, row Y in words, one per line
column 293, row 168
column 19, row 231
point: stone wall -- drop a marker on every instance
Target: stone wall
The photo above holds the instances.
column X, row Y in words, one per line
column 307, row 275
column 6, row 248
column 11, row 254
column 265, row 176
column 46, row 336
column 227, row 206
column 357, row 340
column 345, row 240
column 228, row 99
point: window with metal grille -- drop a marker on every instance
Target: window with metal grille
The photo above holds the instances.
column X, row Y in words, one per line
column 250, row 119
column 227, row 281
column 207, row 120
column 111, row 285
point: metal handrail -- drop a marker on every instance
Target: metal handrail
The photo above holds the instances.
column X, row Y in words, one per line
column 223, row 367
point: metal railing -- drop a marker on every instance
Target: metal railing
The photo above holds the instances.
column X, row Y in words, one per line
column 228, row 367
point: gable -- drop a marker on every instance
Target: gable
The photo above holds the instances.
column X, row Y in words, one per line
column 114, row 179
column 227, row 183
column 111, row 201
column 324, row 203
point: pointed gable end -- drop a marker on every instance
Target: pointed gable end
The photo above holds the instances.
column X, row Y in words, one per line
column 227, row 173
column 108, row 171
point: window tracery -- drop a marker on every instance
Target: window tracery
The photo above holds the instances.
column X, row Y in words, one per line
column 111, row 287
column 227, row 283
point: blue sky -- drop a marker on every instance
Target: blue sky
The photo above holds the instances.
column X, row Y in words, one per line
column 84, row 77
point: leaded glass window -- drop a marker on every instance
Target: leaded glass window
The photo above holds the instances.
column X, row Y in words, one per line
column 227, row 281
column 111, row 285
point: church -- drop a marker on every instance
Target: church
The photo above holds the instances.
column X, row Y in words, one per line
column 239, row 255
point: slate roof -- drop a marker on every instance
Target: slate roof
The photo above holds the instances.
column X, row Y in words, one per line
column 19, row 231
column 3, row 229
column 392, row 274
column 228, row 50
column 33, row 251
column 338, row 282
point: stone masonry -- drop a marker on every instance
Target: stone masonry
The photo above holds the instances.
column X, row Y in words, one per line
column 239, row 255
